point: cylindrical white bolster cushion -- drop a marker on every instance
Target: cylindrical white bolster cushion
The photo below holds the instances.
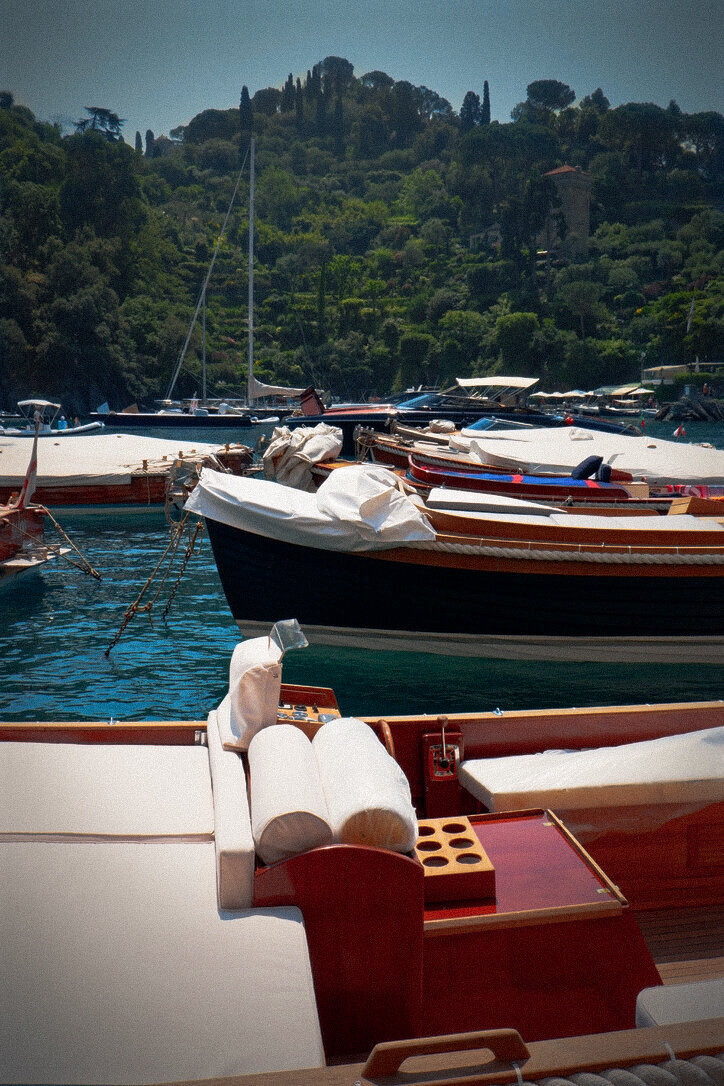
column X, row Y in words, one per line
column 368, row 795
column 288, row 809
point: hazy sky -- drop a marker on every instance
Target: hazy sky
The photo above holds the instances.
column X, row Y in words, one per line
column 159, row 62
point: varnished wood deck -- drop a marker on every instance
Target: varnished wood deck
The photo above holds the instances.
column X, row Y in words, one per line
column 686, row 944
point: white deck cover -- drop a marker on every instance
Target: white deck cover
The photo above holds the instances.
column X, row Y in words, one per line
column 671, row 775
column 371, row 515
column 561, row 448
column 65, row 790
column 117, row 967
column 100, row 458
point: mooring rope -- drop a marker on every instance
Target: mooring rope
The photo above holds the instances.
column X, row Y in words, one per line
column 86, row 567
column 170, row 553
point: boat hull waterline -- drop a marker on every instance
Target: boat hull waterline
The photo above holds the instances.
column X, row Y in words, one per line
column 483, row 606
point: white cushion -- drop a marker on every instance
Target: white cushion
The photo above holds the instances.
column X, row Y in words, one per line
column 232, row 824
column 118, row 791
column 676, row 769
column 117, row 967
column 670, row 1003
column 368, row 795
column 288, row 809
column 255, row 676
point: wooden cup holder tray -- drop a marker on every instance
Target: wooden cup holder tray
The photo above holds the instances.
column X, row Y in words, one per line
column 455, row 863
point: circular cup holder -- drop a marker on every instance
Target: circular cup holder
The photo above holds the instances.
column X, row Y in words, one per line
column 435, row 861
column 430, row 846
column 426, row 831
column 468, row 858
column 453, row 827
column 462, row 842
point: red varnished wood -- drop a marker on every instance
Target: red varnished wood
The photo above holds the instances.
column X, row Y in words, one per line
column 363, row 915
column 547, row 980
column 536, row 868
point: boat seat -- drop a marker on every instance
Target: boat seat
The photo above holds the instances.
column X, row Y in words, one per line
column 669, row 1003
column 65, row 792
column 62, row 791
column 627, row 788
column 119, row 967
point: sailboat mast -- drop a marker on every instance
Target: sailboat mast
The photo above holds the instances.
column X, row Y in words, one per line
column 251, row 273
column 203, row 350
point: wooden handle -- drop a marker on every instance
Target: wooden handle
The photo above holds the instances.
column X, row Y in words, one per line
column 386, row 733
column 387, row 1058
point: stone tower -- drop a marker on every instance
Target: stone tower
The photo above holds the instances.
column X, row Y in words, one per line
column 574, row 190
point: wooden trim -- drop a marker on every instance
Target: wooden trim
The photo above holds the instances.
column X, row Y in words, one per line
column 526, row 918
column 588, row 859
column 560, row 1057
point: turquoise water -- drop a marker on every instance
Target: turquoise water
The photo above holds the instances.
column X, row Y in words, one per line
column 56, row 629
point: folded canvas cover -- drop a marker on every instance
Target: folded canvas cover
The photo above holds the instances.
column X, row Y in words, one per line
column 356, row 509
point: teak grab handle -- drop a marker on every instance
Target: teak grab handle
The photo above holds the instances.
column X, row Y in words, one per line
column 387, row 1058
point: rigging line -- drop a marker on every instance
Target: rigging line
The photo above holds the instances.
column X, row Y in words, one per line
column 86, row 567
column 202, row 293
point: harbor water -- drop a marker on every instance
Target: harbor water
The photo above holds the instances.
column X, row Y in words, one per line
column 57, row 627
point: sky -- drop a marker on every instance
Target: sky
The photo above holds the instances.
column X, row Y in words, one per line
column 157, row 63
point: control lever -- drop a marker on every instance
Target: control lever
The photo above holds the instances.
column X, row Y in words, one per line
column 444, row 762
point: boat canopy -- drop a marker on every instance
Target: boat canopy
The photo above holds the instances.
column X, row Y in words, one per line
column 39, row 403
column 496, row 382
column 257, row 389
column 628, row 390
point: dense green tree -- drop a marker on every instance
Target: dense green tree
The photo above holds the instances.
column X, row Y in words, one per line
column 550, row 94
column 101, row 120
column 470, row 112
column 267, row 101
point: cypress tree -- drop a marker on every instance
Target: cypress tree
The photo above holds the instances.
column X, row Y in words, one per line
column 149, row 143
column 139, row 144
column 246, row 115
column 485, row 112
column 299, row 102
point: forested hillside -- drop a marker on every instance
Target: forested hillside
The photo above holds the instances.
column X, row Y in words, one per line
column 397, row 242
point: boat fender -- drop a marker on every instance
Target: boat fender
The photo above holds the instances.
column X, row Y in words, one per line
column 587, row 468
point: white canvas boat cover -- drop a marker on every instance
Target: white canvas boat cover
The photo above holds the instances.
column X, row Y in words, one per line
column 97, row 458
column 358, row 508
column 559, row 449
column 290, row 454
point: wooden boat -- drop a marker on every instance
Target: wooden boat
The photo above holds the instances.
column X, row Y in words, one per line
column 465, row 402
column 361, row 565
column 112, row 472
column 432, row 460
column 136, row 898
column 19, row 526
